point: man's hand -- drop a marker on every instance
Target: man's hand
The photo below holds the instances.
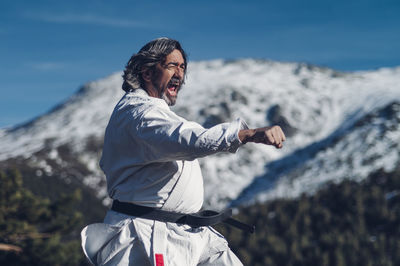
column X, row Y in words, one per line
column 267, row 135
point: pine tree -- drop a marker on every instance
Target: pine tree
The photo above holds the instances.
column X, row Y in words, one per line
column 35, row 231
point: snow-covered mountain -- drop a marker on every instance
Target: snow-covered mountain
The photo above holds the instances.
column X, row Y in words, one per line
column 339, row 125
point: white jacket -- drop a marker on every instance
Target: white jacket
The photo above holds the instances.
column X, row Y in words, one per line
column 149, row 158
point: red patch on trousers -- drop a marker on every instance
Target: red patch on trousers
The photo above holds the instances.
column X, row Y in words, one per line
column 159, row 260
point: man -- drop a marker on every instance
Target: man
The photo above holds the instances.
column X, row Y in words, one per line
column 150, row 162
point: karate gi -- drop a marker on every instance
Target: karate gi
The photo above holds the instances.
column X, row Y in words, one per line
column 150, row 159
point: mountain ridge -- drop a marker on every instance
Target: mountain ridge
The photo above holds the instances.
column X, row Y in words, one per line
column 309, row 101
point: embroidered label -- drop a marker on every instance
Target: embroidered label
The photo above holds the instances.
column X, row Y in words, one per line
column 159, row 260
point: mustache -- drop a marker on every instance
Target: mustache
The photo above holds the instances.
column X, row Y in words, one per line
column 175, row 81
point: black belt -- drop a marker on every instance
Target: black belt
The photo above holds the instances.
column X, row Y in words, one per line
column 202, row 218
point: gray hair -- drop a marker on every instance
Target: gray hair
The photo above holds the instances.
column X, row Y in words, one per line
column 148, row 57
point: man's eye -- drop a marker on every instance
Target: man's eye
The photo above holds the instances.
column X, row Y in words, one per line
column 171, row 66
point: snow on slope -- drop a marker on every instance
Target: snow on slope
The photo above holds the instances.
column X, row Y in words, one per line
column 84, row 114
column 312, row 103
column 315, row 102
column 372, row 143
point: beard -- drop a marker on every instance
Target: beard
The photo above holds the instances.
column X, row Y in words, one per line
column 169, row 100
column 162, row 91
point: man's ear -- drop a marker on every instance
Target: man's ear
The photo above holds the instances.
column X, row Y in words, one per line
column 147, row 74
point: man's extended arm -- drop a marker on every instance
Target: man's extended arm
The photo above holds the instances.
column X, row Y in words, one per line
column 164, row 136
column 267, row 135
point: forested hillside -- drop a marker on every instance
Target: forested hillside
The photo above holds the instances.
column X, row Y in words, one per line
column 343, row 224
column 35, row 230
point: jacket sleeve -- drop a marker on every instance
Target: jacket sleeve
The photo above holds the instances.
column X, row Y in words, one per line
column 164, row 136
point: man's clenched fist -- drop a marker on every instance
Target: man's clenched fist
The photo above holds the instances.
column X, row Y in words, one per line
column 267, row 135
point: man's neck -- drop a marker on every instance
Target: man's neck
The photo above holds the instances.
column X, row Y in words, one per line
column 151, row 91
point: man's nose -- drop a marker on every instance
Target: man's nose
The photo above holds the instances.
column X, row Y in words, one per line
column 180, row 72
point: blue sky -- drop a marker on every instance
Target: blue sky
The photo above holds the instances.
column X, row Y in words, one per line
column 48, row 49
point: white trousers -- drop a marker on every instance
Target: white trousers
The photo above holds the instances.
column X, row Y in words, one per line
column 125, row 240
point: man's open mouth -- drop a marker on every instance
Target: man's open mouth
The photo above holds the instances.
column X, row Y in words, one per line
column 173, row 87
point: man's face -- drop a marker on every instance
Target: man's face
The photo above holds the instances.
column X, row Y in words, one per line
column 168, row 77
